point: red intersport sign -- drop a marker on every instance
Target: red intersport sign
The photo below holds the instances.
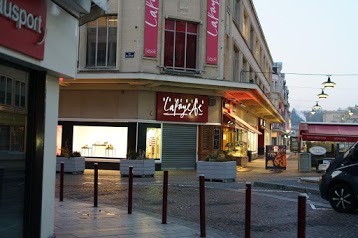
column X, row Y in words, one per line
column 22, row 26
column 182, row 107
column 330, row 138
column 212, row 32
column 151, row 28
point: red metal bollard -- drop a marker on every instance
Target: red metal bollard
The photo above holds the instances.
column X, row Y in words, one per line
column 301, row 222
column 165, row 198
column 130, row 189
column 248, row 211
column 62, row 171
column 95, row 200
column 202, row 206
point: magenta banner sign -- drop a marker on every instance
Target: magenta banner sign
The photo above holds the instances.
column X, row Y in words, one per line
column 212, row 32
column 182, row 107
column 151, row 28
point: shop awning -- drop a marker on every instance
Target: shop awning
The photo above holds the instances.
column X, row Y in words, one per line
column 329, row 132
column 241, row 123
column 257, row 102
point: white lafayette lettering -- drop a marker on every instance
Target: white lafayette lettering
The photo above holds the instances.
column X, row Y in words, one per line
column 178, row 108
column 20, row 16
column 151, row 51
column 214, row 20
column 153, row 12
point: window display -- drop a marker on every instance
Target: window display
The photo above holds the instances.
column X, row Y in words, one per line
column 100, row 141
column 252, row 141
column 58, row 140
column 153, row 143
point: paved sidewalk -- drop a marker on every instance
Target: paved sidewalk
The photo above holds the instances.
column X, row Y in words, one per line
column 75, row 219
column 290, row 179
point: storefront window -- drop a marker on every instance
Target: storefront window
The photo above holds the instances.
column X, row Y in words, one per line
column 153, row 136
column 12, row 153
column 237, row 141
column 252, row 141
column 59, row 140
column 100, row 141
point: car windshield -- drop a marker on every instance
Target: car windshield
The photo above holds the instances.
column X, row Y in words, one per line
column 350, row 150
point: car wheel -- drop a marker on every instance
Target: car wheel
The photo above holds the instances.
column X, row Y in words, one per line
column 341, row 198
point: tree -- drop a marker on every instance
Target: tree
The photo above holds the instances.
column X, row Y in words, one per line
column 296, row 118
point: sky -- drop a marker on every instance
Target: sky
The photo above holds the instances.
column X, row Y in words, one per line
column 314, row 37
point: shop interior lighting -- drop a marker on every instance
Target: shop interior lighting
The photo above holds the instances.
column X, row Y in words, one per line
column 322, row 95
column 329, row 83
column 316, row 107
column 313, row 112
column 350, row 112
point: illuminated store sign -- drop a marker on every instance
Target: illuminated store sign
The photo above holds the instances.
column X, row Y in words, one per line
column 182, row 107
column 23, row 26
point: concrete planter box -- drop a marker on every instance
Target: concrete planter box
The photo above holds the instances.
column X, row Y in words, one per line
column 71, row 165
column 144, row 167
column 224, row 171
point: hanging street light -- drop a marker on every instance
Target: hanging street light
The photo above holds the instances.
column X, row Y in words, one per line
column 316, row 107
column 329, row 83
column 322, row 95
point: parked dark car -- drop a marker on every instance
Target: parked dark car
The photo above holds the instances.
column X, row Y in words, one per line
column 339, row 185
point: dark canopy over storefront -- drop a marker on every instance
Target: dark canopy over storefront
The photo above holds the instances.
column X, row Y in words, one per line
column 337, row 132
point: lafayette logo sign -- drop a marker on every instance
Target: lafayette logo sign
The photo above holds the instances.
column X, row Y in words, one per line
column 22, row 26
column 151, row 28
column 182, row 107
column 212, row 32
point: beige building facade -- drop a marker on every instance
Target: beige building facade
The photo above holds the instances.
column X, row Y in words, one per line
column 279, row 97
column 175, row 79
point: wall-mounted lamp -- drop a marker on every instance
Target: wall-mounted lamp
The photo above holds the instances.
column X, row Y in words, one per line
column 329, row 83
column 316, row 107
column 322, row 95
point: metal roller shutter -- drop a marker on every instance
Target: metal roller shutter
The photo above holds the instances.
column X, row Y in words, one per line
column 179, row 146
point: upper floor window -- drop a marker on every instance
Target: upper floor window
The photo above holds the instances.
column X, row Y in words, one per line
column 236, row 16
column 257, row 50
column 236, row 65
column 102, row 42
column 12, row 92
column 180, row 46
column 246, row 27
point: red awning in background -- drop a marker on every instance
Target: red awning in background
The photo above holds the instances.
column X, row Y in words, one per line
column 329, row 132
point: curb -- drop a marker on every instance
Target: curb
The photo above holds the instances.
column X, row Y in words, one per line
column 287, row 187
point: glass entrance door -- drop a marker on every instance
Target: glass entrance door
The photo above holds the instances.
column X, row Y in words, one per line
column 13, row 116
